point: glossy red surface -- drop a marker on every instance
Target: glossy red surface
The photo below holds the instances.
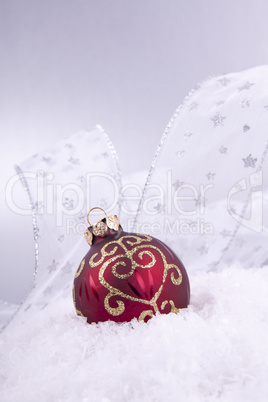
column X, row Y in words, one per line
column 127, row 275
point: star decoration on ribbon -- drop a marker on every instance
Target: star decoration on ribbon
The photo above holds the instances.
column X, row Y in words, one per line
column 61, row 238
column 159, row 207
column 47, row 290
column 27, row 307
column 180, row 153
column 249, row 161
column 203, row 250
column 81, row 216
column 53, row 266
column 239, row 242
column 68, row 203
column 245, row 103
column 47, row 159
column 211, row 176
column 200, row 201
column 238, row 187
column 102, row 203
column 246, row 86
column 188, row 135
column 74, row 161
column 223, row 150
column 218, row 119
column 177, row 184
column 67, row 268
column 82, row 179
column 246, row 128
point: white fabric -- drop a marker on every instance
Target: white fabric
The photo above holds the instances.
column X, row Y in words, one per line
column 214, row 350
column 214, row 151
column 67, row 180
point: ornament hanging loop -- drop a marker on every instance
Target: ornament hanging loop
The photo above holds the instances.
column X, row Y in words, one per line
column 92, row 210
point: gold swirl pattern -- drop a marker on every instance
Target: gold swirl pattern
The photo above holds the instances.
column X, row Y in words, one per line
column 134, row 241
column 80, row 268
column 172, row 305
column 78, row 312
column 144, row 314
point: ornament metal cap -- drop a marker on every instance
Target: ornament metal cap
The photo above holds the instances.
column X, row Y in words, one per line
column 101, row 228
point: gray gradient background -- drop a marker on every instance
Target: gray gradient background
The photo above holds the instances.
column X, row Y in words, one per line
column 67, row 65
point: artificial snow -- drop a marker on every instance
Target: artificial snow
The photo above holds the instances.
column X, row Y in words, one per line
column 215, row 350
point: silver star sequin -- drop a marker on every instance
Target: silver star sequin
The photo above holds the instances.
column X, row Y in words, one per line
column 47, row 290
column 82, row 179
column 203, row 250
column 188, row 135
column 211, row 176
column 60, row 238
column 218, row 119
column 249, row 161
column 239, row 242
column 246, row 127
column 47, row 159
column 180, row 153
column 246, row 86
column 68, row 203
column 74, row 161
column 81, row 216
column 223, row 150
column 200, row 201
column 245, row 103
column 102, row 203
column 159, row 207
column 177, row 184
column 27, row 308
column 52, row 266
column 67, row 268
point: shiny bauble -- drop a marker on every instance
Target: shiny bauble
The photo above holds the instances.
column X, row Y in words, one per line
column 127, row 275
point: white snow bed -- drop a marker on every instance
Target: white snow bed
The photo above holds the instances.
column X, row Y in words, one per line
column 215, row 350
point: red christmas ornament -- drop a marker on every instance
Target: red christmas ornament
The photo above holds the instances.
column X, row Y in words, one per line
column 127, row 275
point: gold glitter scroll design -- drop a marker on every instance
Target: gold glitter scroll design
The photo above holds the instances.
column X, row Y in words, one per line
column 80, row 268
column 130, row 245
column 78, row 312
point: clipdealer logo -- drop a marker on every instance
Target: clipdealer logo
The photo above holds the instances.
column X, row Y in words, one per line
column 64, row 202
